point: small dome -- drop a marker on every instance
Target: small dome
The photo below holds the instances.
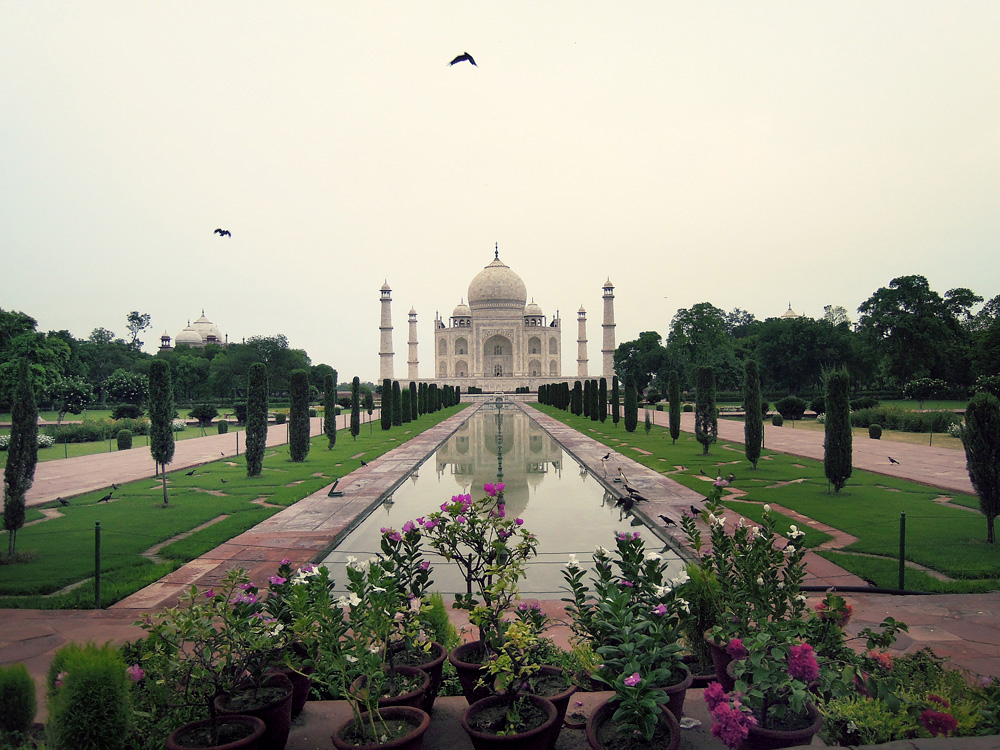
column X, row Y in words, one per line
column 790, row 313
column 461, row 310
column 497, row 286
column 189, row 336
column 581, row 310
column 533, row 309
column 385, row 287
column 206, row 329
column 608, row 285
column 413, row 311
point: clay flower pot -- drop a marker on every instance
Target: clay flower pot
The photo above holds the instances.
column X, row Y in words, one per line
column 412, row 739
column 193, row 736
column 771, row 739
column 470, row 672
column 434, row 667
column 601, row 727
column 413, row 698
column 275, row 712
column 536, row 738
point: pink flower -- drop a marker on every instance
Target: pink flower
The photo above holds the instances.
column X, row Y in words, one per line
column 424, row 565
column 60, row 679
column 460, row 519
column 391, row 533
column 444, row 506
column 277, row 580
column 431, row 523
column 209, row 593
column 519, row 521
column 245, row 598
column 731, row 724
column 627, row 584
column 620, row 536
column 286, row 561
column 501, row 487
column 634, row 680
column 503, row 534
column 408, row 527
column 135, row 673
column 944, row 702
column 490, row 489
column 420, row 521
column 720, row 482
column 802, row 663
column 714, row 695
column 937, row 722
column 737, row 650
column 660, row 610
column 246, row 586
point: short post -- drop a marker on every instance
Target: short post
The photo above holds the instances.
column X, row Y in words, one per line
column 97, row 564
column 237, row 442
column 902, row 549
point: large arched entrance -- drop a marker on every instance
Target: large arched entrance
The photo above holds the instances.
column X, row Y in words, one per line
column 498, row 357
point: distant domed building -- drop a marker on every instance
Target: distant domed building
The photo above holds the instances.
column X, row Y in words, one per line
column 199, row 334
column 790, row 314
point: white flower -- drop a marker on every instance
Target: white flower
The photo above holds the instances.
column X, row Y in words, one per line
column 681, row 578
column 790, row 549
column 683, row 604
column 278, row 627
column 351, row 659
column 661, row 591
column 781, row 584
column 572, row 562
column 342, row 601
column 601, row 551
column 795, row 532
column 653, row 557
column 753, row 533
column 374, row 648
column 743, row 522
column 767, row 508
column 760, row 580
column 354, row 600
column 801, row 598
column 379, row 589
column 351, row 560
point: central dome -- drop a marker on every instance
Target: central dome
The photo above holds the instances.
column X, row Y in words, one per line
column 497, row 286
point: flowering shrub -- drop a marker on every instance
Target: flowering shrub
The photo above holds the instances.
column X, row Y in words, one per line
column 178, row 425
column 632, row 620
column 955, row 430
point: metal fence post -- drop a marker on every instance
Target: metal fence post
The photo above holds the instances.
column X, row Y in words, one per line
column 97, row 564
column 902, row 549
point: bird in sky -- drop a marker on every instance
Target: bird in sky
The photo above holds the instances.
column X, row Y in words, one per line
column 223, row 233
column 62, row 501
column 106, row 498
column 464, row 57
column 892, row 460
column 667, row 520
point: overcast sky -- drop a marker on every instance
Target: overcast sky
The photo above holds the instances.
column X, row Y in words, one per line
column 747, row 154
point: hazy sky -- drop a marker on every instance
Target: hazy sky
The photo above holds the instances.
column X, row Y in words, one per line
column 747, row 154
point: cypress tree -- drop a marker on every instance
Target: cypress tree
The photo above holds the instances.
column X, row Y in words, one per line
column 647, row 422
column 298, row 415
column 256, row 430
column 458, row 395
column 369, row 407
column 386, row 404
column 616, row 409
column 432, row 395
column 674, row 387
column 631, row 404
column 397, row 404
column 404, row 399
column 706, row 417
column 356, row 407
column 981, row 439
column 22, row 454
column 577, row 405
column 567, row 398
column 330, row 408
column 753, row 422
column 422, row 398
column 586, row 399
column 161, row 419
column 602, row 398
column 838, row 449
column 595, row 401
column 413, row 401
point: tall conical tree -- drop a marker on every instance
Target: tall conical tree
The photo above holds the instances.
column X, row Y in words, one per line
column 386, row 404
column 602, row 398
column 298, row 415
column 595, row 401
column 355, row 407
column 981, row 439
column 631, row 404
column 397, row 404
column 753, row 421
column 256, row 430
column 616, row 412
column 838, row 445
column 22, row 454
column 330, row 408
column 161, row 419
column 577, row 405
column 586, row 399
column 369, row 407
column 674, row 394
column 404, row 400
column 706, row 416
column 414, row 412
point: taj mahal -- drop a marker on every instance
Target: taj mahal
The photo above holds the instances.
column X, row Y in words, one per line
column 497, row 340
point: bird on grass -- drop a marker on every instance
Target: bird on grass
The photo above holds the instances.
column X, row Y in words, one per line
column 731, row 478
column 703, row 472
column 190, row 473
column 464, row 57
column 363, row 462
column 223, row 233
column 223, row 480
column 62, row 501
column 892, row 460
column 106, row 498
column 114, row 487
column 667, row 520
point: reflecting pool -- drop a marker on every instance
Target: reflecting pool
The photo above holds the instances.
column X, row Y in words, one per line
column 561, row 503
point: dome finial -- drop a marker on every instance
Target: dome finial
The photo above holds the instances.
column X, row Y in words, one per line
column 496, row 251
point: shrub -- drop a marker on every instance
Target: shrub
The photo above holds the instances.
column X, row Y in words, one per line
column 659, row 407
column 240, row 410
column 223, row 426
column 126, row 411
column 124, row 438
column 864, row 402
column 89, row 700
column 791, row 407
column 313, row 413
column 875, row 431
column 204, row 413
column 344, row 402
column 280, row 417
column 17, row 696
column 777, row 420
column 955, row 430
column 653, row 396
column 687, row 407
column 764, row 408
column 178, row 425
column 903, row 420
column 818, row 405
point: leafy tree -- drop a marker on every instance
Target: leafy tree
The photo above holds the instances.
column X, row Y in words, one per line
column 981, row 439
column 602, row 398
column 12, row 324
column 356, row 407
column 577, row 404
column 838, row 448
column 72, row 396
column 835, row 315
column 791, row 407
column 615, row 401
column 317, row 376
column 674, row 394
column 256, row 427
column 46, row 357
column 298, row 415
column 739, row 323
column 161, row 419
column 631, row 404
column 921, row 389
column 414, row 413
column 641, row 359
column 793, row 353
column 397, row 404
column 204, row 413
column 136, row 323
column 706, row 416
column 127, row 387
column 386, row 404
column 369, row 406
column 330, row 408
column 22, row 455
column 753, row 424
column 699, row 338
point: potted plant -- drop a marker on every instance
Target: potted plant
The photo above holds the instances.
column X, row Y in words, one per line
column 513, row 717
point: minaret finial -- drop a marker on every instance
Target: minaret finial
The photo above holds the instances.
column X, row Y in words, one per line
column 496, row 251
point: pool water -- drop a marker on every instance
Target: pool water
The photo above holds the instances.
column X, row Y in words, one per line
column 566, row 507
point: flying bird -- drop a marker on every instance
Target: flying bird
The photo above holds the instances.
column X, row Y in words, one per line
column 190, row 473
column 667, row 520
column 106, row 498
column 62, row 502
column 464, row 57
column 892, row 460
column 223, row 233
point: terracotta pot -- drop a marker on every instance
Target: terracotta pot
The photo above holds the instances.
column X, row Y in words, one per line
column 434, row 667
column 536, row 738
column 601, row 717
column 412, row 740
column 721, row 660
column 470, row 672
column 301, row 685
column 559, row 700
column 677, row 693
column 770, row 739
column 180, row 738
column 413, row 698
column 699, row 681
column 276, row 714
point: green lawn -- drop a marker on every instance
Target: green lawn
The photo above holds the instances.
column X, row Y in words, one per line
column 942, row 537
column 61, row 551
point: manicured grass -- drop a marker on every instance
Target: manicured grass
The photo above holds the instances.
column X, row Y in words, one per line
column 942, row 537
column 62, row 550
column 782, row 525
column 938, row 439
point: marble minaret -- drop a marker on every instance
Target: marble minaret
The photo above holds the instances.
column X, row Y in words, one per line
column 385, row 327
column 412, row 344
column 581, row 344
column 608, row 347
